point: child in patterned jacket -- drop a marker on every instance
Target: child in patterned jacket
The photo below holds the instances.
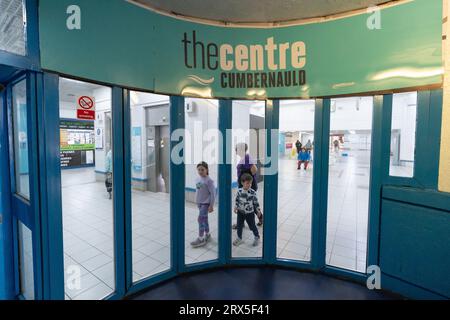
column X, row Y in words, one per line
column 246, row 205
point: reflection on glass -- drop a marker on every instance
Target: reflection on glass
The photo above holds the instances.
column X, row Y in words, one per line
column 348, row 186
column 150, row 199
column 202, row 206
column 26, row 262
column 295, row 176
column 22, row 175
column 403, row 134
column 248, row 150
column 13, row 26
column 87, row 183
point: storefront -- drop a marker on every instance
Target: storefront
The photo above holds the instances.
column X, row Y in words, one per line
column 131, row 101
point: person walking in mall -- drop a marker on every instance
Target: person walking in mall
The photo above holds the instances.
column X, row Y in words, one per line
column 298, row 145
column 205, row 198
column 246, row 165
column 308, row 145
column 109, row 169
column 336, row 146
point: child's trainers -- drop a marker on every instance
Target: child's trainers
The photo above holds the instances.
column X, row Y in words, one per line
column 208, row 237
column 198, row 243
column 256, row 241
column 237, row 242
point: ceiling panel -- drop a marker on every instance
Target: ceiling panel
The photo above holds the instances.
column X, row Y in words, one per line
column 253, row 11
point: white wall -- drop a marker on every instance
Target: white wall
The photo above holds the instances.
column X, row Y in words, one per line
column 102, row 98
column 297, row 115
column 353, row 113
column 202, row 126
column 67, row 110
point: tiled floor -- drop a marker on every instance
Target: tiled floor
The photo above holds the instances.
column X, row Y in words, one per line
column 348, row 198
column 246, row 248
column 208, row 252
column 88, row 236
column 88, row 225
column 294, row 211
column 348, row 205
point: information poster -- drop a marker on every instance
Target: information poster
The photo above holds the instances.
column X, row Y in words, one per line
column 77, row 143
column 136, row 147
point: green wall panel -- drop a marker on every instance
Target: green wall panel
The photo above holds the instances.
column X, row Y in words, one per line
column 415, row 245
column 127, row 45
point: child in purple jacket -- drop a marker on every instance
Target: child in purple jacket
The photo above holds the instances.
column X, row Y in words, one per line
column 205, row 197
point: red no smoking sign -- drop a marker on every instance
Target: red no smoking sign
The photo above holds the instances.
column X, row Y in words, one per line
column 86, row 108
column 86, row 103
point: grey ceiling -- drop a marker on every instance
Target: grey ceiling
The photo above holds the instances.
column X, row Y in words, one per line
column 252, row 11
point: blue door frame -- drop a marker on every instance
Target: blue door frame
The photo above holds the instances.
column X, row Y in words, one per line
column 46, row 220
column 17, row 208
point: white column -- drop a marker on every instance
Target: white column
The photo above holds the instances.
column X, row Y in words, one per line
column 444, row 170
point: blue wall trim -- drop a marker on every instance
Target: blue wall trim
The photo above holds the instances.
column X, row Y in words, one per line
column 271, row 183
column 50, row 184
column 117, row 111
column 7, row 285
column 225, row 181
column 376, row 174
column 177, row 181
column 320, row 183
column 419, row 197
column 128, row 191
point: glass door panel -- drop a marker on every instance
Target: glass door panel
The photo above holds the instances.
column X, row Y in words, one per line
column 248, row 158
column 202, row 163
column 295, row 179
column 150, row 195
column 86, row 181
column 348, row 182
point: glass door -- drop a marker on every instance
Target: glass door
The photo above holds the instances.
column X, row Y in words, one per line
column 23, row 165
column 349, row 182
column 295, row 179
column 248, row 152
column 87, row 180
column 150, row 185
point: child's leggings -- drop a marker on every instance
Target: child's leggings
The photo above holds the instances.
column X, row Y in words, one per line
column 203, row 224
